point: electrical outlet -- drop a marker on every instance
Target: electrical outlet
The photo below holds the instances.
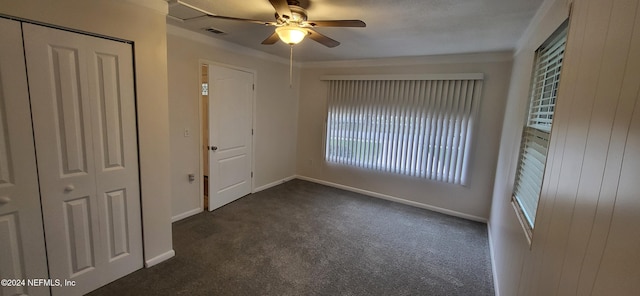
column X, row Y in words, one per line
column 187, row 133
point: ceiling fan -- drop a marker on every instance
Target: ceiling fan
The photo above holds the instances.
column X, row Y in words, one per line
column 292, row 25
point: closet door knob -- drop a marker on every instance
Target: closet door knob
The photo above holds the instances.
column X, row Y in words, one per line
column 4, row 200
column 69, row 188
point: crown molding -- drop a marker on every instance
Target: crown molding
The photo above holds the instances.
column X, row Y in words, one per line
column 226, row 45
column 160, row 6
column 482, row 57
column 545, row 7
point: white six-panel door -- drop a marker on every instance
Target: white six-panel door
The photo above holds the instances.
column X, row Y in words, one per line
column 83, row 110
column 230, row 134
column 22, row 250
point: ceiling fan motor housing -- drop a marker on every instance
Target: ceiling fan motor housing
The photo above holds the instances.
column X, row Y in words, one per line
column 292, row 25
column 298, row 14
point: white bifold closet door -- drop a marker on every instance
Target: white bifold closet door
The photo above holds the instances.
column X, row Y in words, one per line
column 83, row 110
column 22, row 251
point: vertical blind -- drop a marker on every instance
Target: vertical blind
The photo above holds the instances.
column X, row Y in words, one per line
column 420, row 128
column 536, row 133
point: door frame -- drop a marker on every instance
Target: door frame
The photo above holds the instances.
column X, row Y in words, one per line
column 203, row 120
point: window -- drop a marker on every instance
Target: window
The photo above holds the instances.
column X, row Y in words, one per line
column 415, row 127
column 537, row 130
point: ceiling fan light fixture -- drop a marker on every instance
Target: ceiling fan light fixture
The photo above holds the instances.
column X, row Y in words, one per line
column 291, row 34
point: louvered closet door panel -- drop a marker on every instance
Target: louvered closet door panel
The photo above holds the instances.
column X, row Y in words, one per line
column 22, row 250
column 84, row 121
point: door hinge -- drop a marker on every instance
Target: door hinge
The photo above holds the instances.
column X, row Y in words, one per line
column 252, row 132
column 251, row 174
column 253, row 86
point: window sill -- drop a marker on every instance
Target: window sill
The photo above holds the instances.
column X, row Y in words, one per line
column 528, row 232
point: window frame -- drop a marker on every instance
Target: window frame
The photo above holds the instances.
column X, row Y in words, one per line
column 475, row 96
column 532, row 125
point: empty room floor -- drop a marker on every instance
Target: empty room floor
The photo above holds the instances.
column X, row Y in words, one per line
column 302, row 238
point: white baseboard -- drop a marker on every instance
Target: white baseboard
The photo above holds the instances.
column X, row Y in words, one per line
column 186, row 214
column 160, row 258
column 395, row 199
column 496, row 287
column 275, row 183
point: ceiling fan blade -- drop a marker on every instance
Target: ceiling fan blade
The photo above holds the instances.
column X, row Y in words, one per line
column 337, row 23
column 234, row 19
column 324, row 40
column 282, row 8
column 271, row 39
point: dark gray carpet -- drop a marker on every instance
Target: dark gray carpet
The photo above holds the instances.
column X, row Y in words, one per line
column 301, row 238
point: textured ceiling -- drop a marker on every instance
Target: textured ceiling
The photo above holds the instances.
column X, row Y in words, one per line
column 394, row 28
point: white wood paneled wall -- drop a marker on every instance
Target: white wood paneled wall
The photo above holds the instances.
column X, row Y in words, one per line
column 587, row 237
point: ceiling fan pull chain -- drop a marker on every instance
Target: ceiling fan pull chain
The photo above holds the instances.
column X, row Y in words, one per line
column 291, row 67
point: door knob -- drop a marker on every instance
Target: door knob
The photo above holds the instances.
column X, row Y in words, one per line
column 214, row 148
column 69, row 188
column 4, row 200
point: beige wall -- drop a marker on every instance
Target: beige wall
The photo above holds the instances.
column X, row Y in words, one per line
column 472, row 201
column 275, row 113
column 586, row 237
column 146, row 28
